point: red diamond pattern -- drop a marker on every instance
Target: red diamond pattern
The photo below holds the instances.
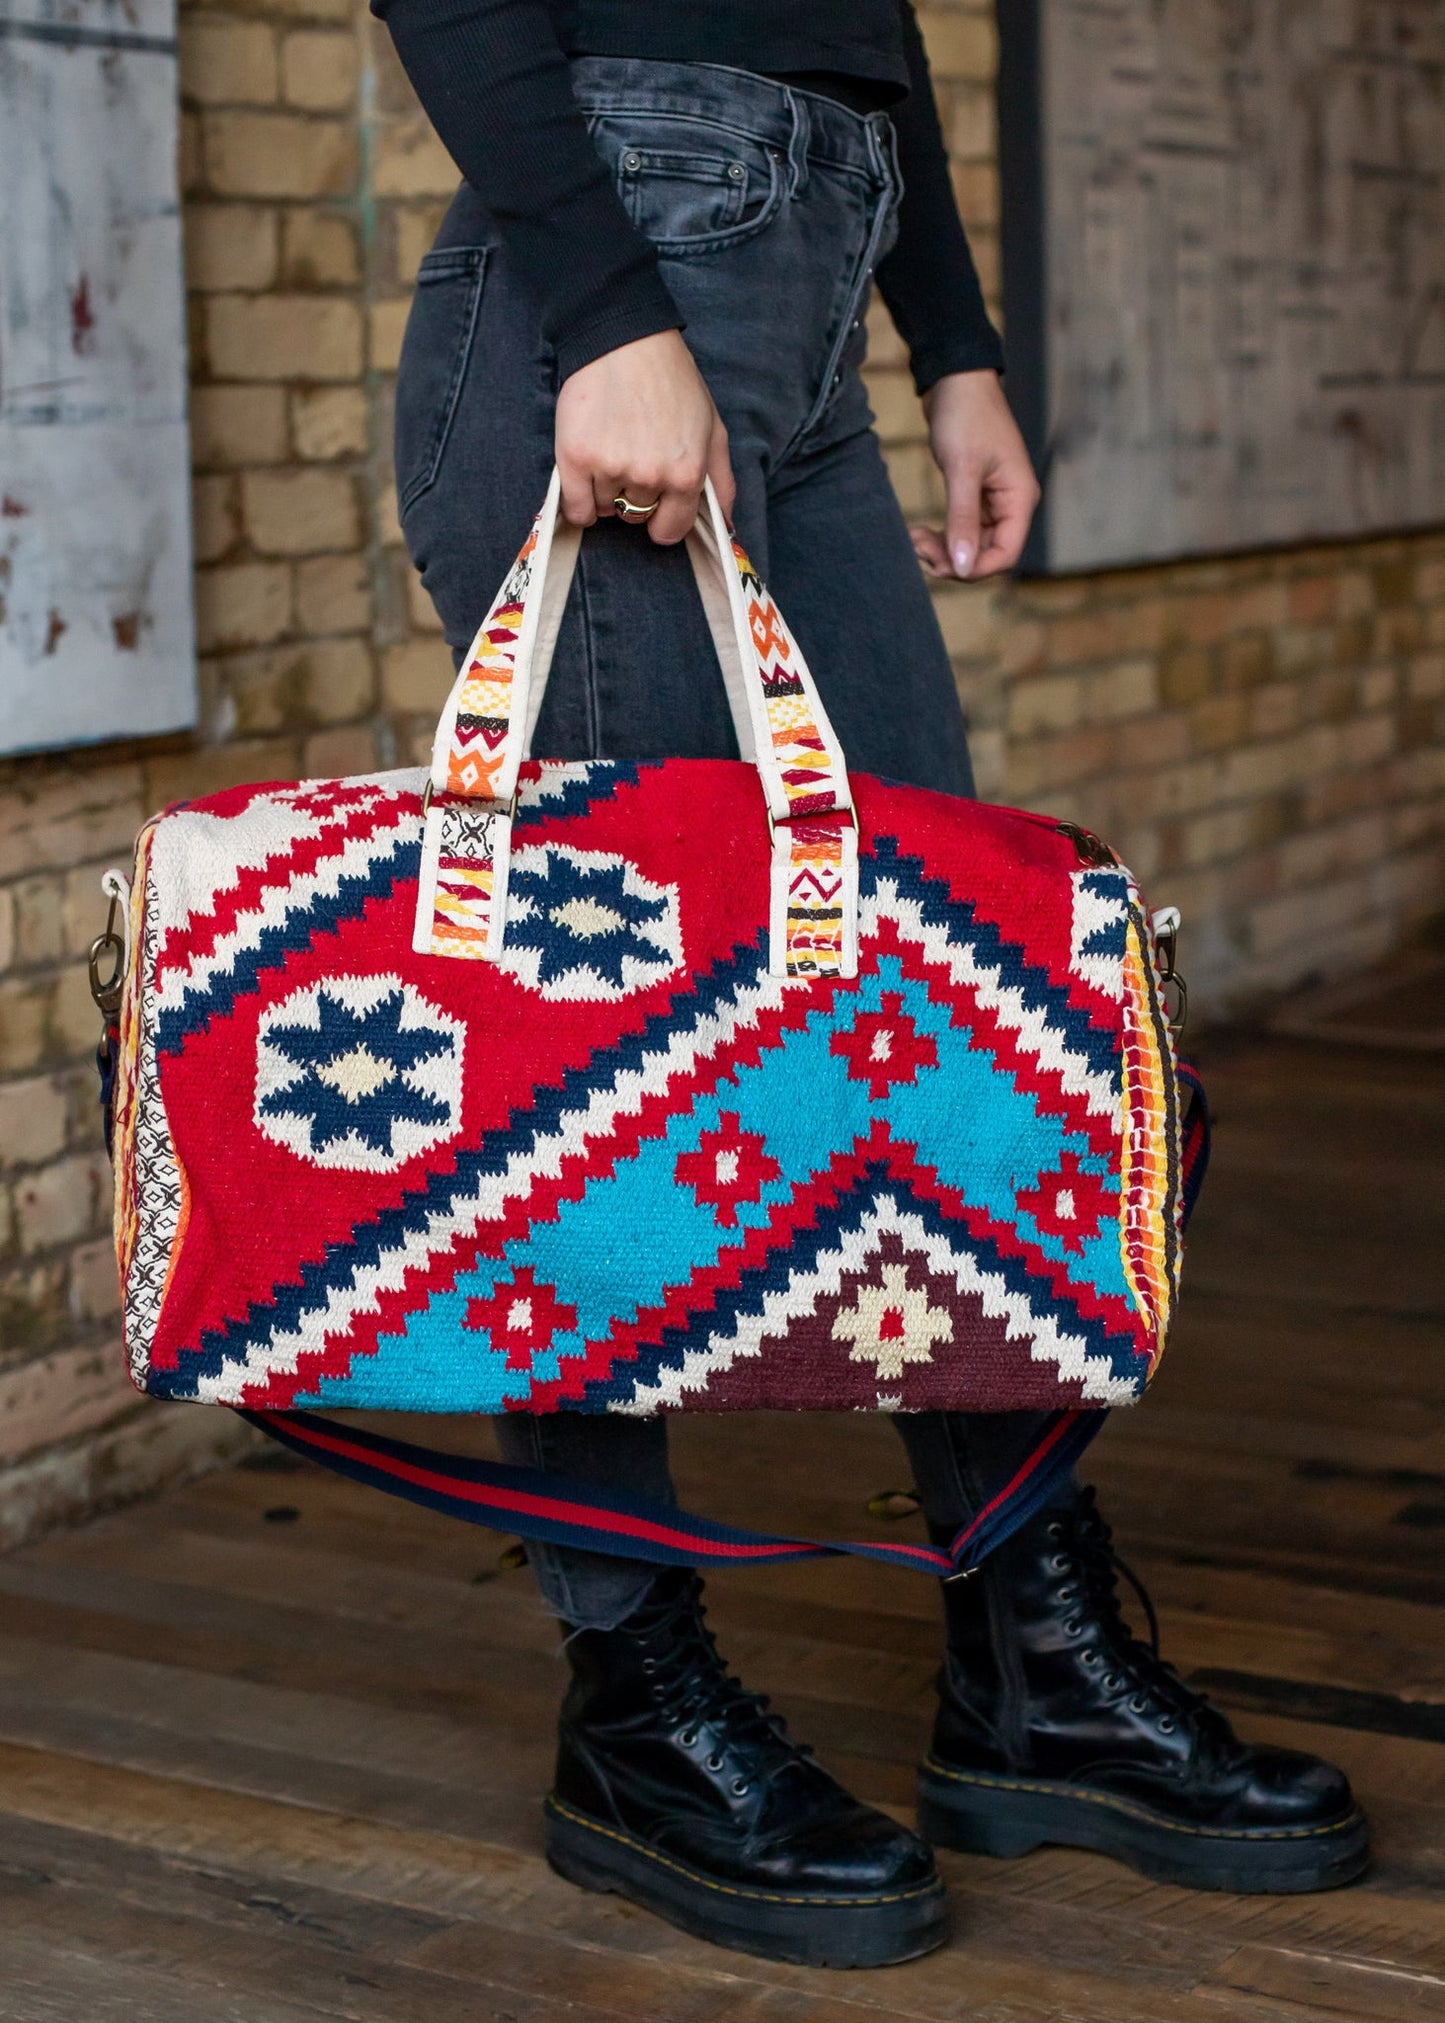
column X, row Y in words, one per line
column 730, row 1165
column 1069, row 1203
column 885, row 1047
column 521, row 1317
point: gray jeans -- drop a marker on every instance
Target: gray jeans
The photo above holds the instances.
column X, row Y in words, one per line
column 770, row 208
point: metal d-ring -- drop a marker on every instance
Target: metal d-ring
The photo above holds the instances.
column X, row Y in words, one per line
column 108, row 990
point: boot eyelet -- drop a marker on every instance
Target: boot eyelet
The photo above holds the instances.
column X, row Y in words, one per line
column 649, row 1665
column 714, row 1763
column 1066, row 1594
column 741, row 1786
column 1059, row 1563
column 1074, row 1626
column 1167, row 1724
column 687, row 1737
column 1090, row 1658
column 1113, row 1681
column 1138, row 1704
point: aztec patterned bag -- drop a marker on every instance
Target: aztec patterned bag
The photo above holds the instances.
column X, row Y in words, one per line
column 626, row 1088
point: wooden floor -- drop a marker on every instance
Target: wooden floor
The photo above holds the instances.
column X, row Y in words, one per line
column 272, row 1750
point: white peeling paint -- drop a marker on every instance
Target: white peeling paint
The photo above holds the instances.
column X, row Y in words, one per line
column 96, row 627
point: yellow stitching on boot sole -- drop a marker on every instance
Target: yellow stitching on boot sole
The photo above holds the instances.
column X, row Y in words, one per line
column 1141, row 1812
column 935, row 1888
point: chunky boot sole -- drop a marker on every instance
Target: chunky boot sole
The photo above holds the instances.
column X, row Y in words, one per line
column 809, row 1931
column 993, row 1815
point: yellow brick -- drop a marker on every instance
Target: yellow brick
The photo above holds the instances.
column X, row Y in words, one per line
column 317, row 681
column 237, row 425
column 1129, row 688
column 971, row 123
column 32, row 1119
column 976, row 187
column 306, row 10
column 895, row 407
column 318, row 69
column 329, row 421
column 885, row 347
column 915, row 480
column 414, row 227
column 61, row 1202
column 215, row 513
column 229, row 246
column 340, row 754
column 191, row 168
column 238, row 764
column 95, row 1296
column 409, row 161
column 242, row 604
column 388, row 523
column 416, row 675
column 227, row 62
column 1055, row 703
column 319, row 250
column 968, row 616
column 300, row 512
column 24, row 1009
column 388, row 327
column 278, row 154
column 420, row 609
column 39, row 920
column 311, row 337
column 960, row 45
column 333, row 594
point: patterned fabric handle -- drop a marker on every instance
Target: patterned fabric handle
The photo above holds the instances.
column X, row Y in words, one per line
column 486, row 726
column 555, row 1510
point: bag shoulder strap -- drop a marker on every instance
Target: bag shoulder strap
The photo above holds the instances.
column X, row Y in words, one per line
column 553, row 1509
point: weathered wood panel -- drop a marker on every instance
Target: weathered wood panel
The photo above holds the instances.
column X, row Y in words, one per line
column 96, row 633
column 1226, row 269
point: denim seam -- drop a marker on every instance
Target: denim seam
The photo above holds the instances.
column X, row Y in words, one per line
column 830, row 386
column 441, row 433
column 589, row 661
column 860, row 167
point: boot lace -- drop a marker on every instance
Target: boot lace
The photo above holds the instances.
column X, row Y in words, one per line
column 695, row 1690
column 1087, row 1555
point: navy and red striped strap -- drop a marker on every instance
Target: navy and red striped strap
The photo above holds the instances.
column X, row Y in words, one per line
column 555, row 1510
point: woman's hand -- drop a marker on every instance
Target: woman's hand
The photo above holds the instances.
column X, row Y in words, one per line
column 992, row 490
column 640, row 421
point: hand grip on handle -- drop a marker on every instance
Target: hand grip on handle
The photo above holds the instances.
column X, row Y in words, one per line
column 487, row 724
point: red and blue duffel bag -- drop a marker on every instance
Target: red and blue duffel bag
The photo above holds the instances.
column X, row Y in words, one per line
column 627, row 1087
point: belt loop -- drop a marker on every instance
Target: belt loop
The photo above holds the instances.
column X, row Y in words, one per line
column 797, row 143
column 883, row 145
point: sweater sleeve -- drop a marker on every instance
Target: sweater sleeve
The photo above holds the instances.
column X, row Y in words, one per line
column 493, row 79
column 929, row 280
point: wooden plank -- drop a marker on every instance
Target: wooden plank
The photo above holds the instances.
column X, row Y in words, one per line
column 1357, row 1989
column 49, row 1983
column 448, row 1876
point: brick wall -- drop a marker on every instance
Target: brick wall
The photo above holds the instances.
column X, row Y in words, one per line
column 1264, row 739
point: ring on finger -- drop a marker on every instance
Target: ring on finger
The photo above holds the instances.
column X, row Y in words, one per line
column 628, row 509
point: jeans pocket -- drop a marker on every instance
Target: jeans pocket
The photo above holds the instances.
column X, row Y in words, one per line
column 434, row 357
column 687, row 184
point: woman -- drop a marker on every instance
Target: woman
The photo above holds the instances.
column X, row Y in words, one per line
column 657, row 269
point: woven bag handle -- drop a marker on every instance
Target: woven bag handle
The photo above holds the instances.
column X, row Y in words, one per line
column 487, row 724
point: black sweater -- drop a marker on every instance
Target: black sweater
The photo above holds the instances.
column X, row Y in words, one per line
column 493, row 77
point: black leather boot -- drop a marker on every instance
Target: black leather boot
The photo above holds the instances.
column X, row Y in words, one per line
column 677, row 1788
column 1057, row 1724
